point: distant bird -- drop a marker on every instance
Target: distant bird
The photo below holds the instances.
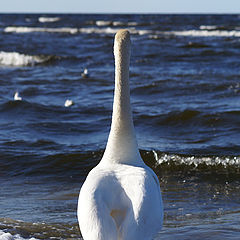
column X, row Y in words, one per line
column 68, row 103
column 85, row 73
column 121, row 197
column 17, row 97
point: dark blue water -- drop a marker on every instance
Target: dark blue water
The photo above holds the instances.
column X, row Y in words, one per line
column 185, row 94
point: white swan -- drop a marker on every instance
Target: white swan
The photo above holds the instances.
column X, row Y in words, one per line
column 68, row 103
column 121, row 198
column 17, row 97
column 85, row 73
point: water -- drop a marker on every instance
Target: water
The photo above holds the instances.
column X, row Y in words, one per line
column 185, row 86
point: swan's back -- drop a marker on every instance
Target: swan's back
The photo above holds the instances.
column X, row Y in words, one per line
column 121, row 198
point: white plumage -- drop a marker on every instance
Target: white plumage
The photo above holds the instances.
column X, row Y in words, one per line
column 85, row 73
column 121, row 197
column 17, row 97
column 68, row 103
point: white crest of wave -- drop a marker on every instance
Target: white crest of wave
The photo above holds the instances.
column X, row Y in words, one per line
column 103, row 23
column 196, row 160
column 107, row 30
column 9, row 236
column 85, row 30
column 39, row 29
column 18, row 59
column 207, row 27
column 205, row 33
column 48, row 19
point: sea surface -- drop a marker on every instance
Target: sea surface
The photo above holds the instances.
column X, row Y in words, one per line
column 185, row 94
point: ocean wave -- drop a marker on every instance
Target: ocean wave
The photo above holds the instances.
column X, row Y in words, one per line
column 93, row 30
column 22, row 230
column 208, row 27
column 110, row 30
column 192, row 117
column 196, row 161
column 78, row 164
column 118, row 23
column 21, row 29
column 204, row 33
column 108, row 27
column 8, row 236
column 19, row 59
column 48, row 19
column 29, row 110
column 195, row 45
column 102, row 23
column 84, row 30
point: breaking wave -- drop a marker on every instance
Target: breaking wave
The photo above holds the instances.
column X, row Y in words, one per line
column 19, row 59
column 48, row 19
column 22, row 230
column 72, row 164
column 9, row 236
column 104, row 27
column 69, row 30
column 205, row 33
column 20, row 29
column 208, row 27
column 101, row 23
column 196, row 161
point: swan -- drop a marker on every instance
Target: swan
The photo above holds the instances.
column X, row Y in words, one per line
column 85, row 73
column 121, row 198
column 68, row 103
column 17, row 97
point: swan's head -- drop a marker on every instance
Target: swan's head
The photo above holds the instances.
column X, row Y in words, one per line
column 122, row 42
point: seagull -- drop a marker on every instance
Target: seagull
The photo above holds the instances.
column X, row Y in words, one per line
column 68, row 103
column 85, row 73
column 17, row 97
column 121, row 197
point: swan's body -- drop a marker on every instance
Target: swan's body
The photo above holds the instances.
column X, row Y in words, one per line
column 17, row 97
column 85, row 73
column 68, row 103
column 121, row 198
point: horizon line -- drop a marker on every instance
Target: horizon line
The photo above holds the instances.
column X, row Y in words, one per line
column 126, row 13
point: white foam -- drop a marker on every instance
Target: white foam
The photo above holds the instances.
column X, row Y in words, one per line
column 101, row 23
column 194, row 160
column 132, row 23
column 9, row 236
column 39, row 29
column 85, row 30
column 119, row 23
column 207, row 27
column 48, row 19
column 107, row 30
column 110, row 30
column 205, row 33
column 18, row 59
column 5, row 236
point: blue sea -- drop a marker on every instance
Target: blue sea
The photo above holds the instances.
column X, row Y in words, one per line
column 185, row 94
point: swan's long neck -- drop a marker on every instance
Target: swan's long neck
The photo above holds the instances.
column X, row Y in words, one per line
column 122, row 144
